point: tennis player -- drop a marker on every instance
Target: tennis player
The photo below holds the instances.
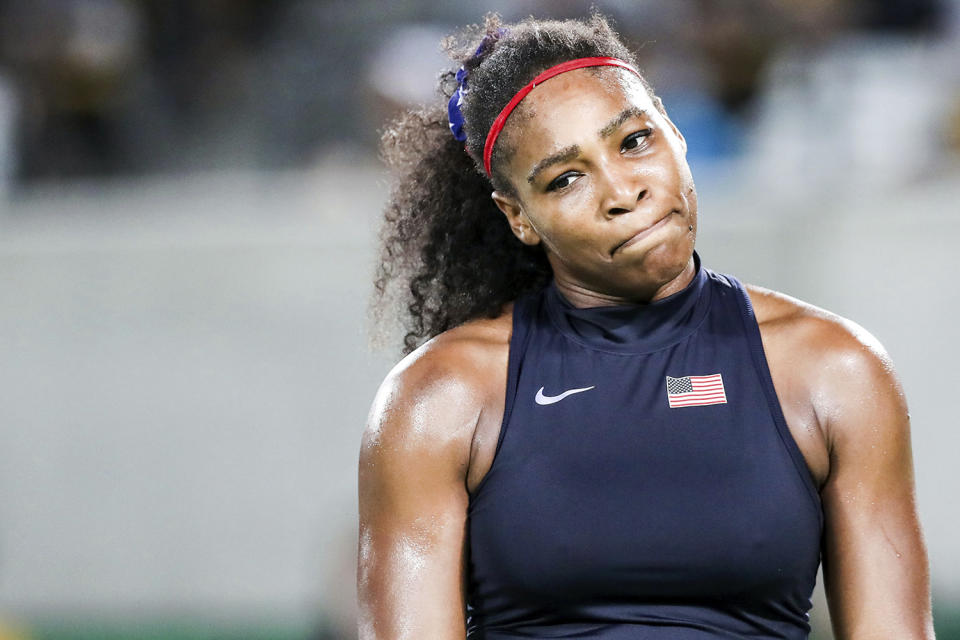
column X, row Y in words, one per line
column 593, row 434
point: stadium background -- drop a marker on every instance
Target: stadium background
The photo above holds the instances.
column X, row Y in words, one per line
column 189, row 196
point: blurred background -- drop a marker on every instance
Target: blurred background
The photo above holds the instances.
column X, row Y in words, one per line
column 189, row 197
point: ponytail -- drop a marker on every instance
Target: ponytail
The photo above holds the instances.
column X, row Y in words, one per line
column 443, row 235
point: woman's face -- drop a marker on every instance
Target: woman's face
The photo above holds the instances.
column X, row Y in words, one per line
column 601, row 179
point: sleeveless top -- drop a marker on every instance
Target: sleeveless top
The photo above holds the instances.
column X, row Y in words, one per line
column 645, row 483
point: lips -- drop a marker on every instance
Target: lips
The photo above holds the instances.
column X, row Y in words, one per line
column 642, row 233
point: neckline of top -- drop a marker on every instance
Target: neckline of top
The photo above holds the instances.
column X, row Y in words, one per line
column 634, row 327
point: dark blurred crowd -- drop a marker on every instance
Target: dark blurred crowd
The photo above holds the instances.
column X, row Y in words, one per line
column 103, row 87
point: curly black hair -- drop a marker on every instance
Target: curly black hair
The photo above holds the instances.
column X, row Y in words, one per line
column 443, row 240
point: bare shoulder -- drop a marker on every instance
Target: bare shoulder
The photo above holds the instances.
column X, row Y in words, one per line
column 841, row 363
column 412, row 491
column 821, row 331
column 875, row 570
column 434, row 396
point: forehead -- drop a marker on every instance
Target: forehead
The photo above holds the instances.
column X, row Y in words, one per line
column 567, row 107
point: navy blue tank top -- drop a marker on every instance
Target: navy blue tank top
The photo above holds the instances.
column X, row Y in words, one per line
column 645, row 483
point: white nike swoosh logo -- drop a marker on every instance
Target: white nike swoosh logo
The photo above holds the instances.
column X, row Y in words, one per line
column 542, row 399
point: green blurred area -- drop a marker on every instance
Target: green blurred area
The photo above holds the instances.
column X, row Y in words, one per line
column 946, row 621
column 162, row 629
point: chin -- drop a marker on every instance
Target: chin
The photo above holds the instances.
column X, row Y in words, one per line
column 667, row 260
column 659, row 266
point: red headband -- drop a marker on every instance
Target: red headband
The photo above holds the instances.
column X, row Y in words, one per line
column 569, row 65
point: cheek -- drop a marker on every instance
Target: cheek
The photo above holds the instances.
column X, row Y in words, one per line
column 682, row 167
column 673, row 174
column 570, row 233
column 561, row 215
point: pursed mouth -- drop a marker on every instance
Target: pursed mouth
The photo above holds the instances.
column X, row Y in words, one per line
column 640, row 234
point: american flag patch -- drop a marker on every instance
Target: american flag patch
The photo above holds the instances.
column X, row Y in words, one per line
column 693, row 391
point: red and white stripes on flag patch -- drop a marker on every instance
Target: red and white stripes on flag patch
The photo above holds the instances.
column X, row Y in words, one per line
column 694, row 391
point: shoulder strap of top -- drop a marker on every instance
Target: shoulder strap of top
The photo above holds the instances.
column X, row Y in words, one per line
column 759, row 357
column 525, row 308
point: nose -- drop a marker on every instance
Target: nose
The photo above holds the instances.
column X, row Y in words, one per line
column 623, row 189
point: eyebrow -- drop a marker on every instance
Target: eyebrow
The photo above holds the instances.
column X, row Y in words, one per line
column 568, row 153
column 623, row 116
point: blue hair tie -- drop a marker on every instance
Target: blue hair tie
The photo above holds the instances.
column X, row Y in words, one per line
column 454, row 114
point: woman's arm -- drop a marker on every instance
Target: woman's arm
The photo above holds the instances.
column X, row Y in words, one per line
column 874, row 560
column 413, row 501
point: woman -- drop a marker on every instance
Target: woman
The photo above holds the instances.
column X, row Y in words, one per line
column 602, row 437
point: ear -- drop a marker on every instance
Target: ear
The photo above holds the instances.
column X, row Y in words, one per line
column 659, row 104
column 516, row 218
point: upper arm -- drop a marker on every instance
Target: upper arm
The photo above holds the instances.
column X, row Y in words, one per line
column 413, row 501
column 874, row 559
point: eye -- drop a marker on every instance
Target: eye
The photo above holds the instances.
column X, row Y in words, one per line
column 563, row 181
column 635, row 140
